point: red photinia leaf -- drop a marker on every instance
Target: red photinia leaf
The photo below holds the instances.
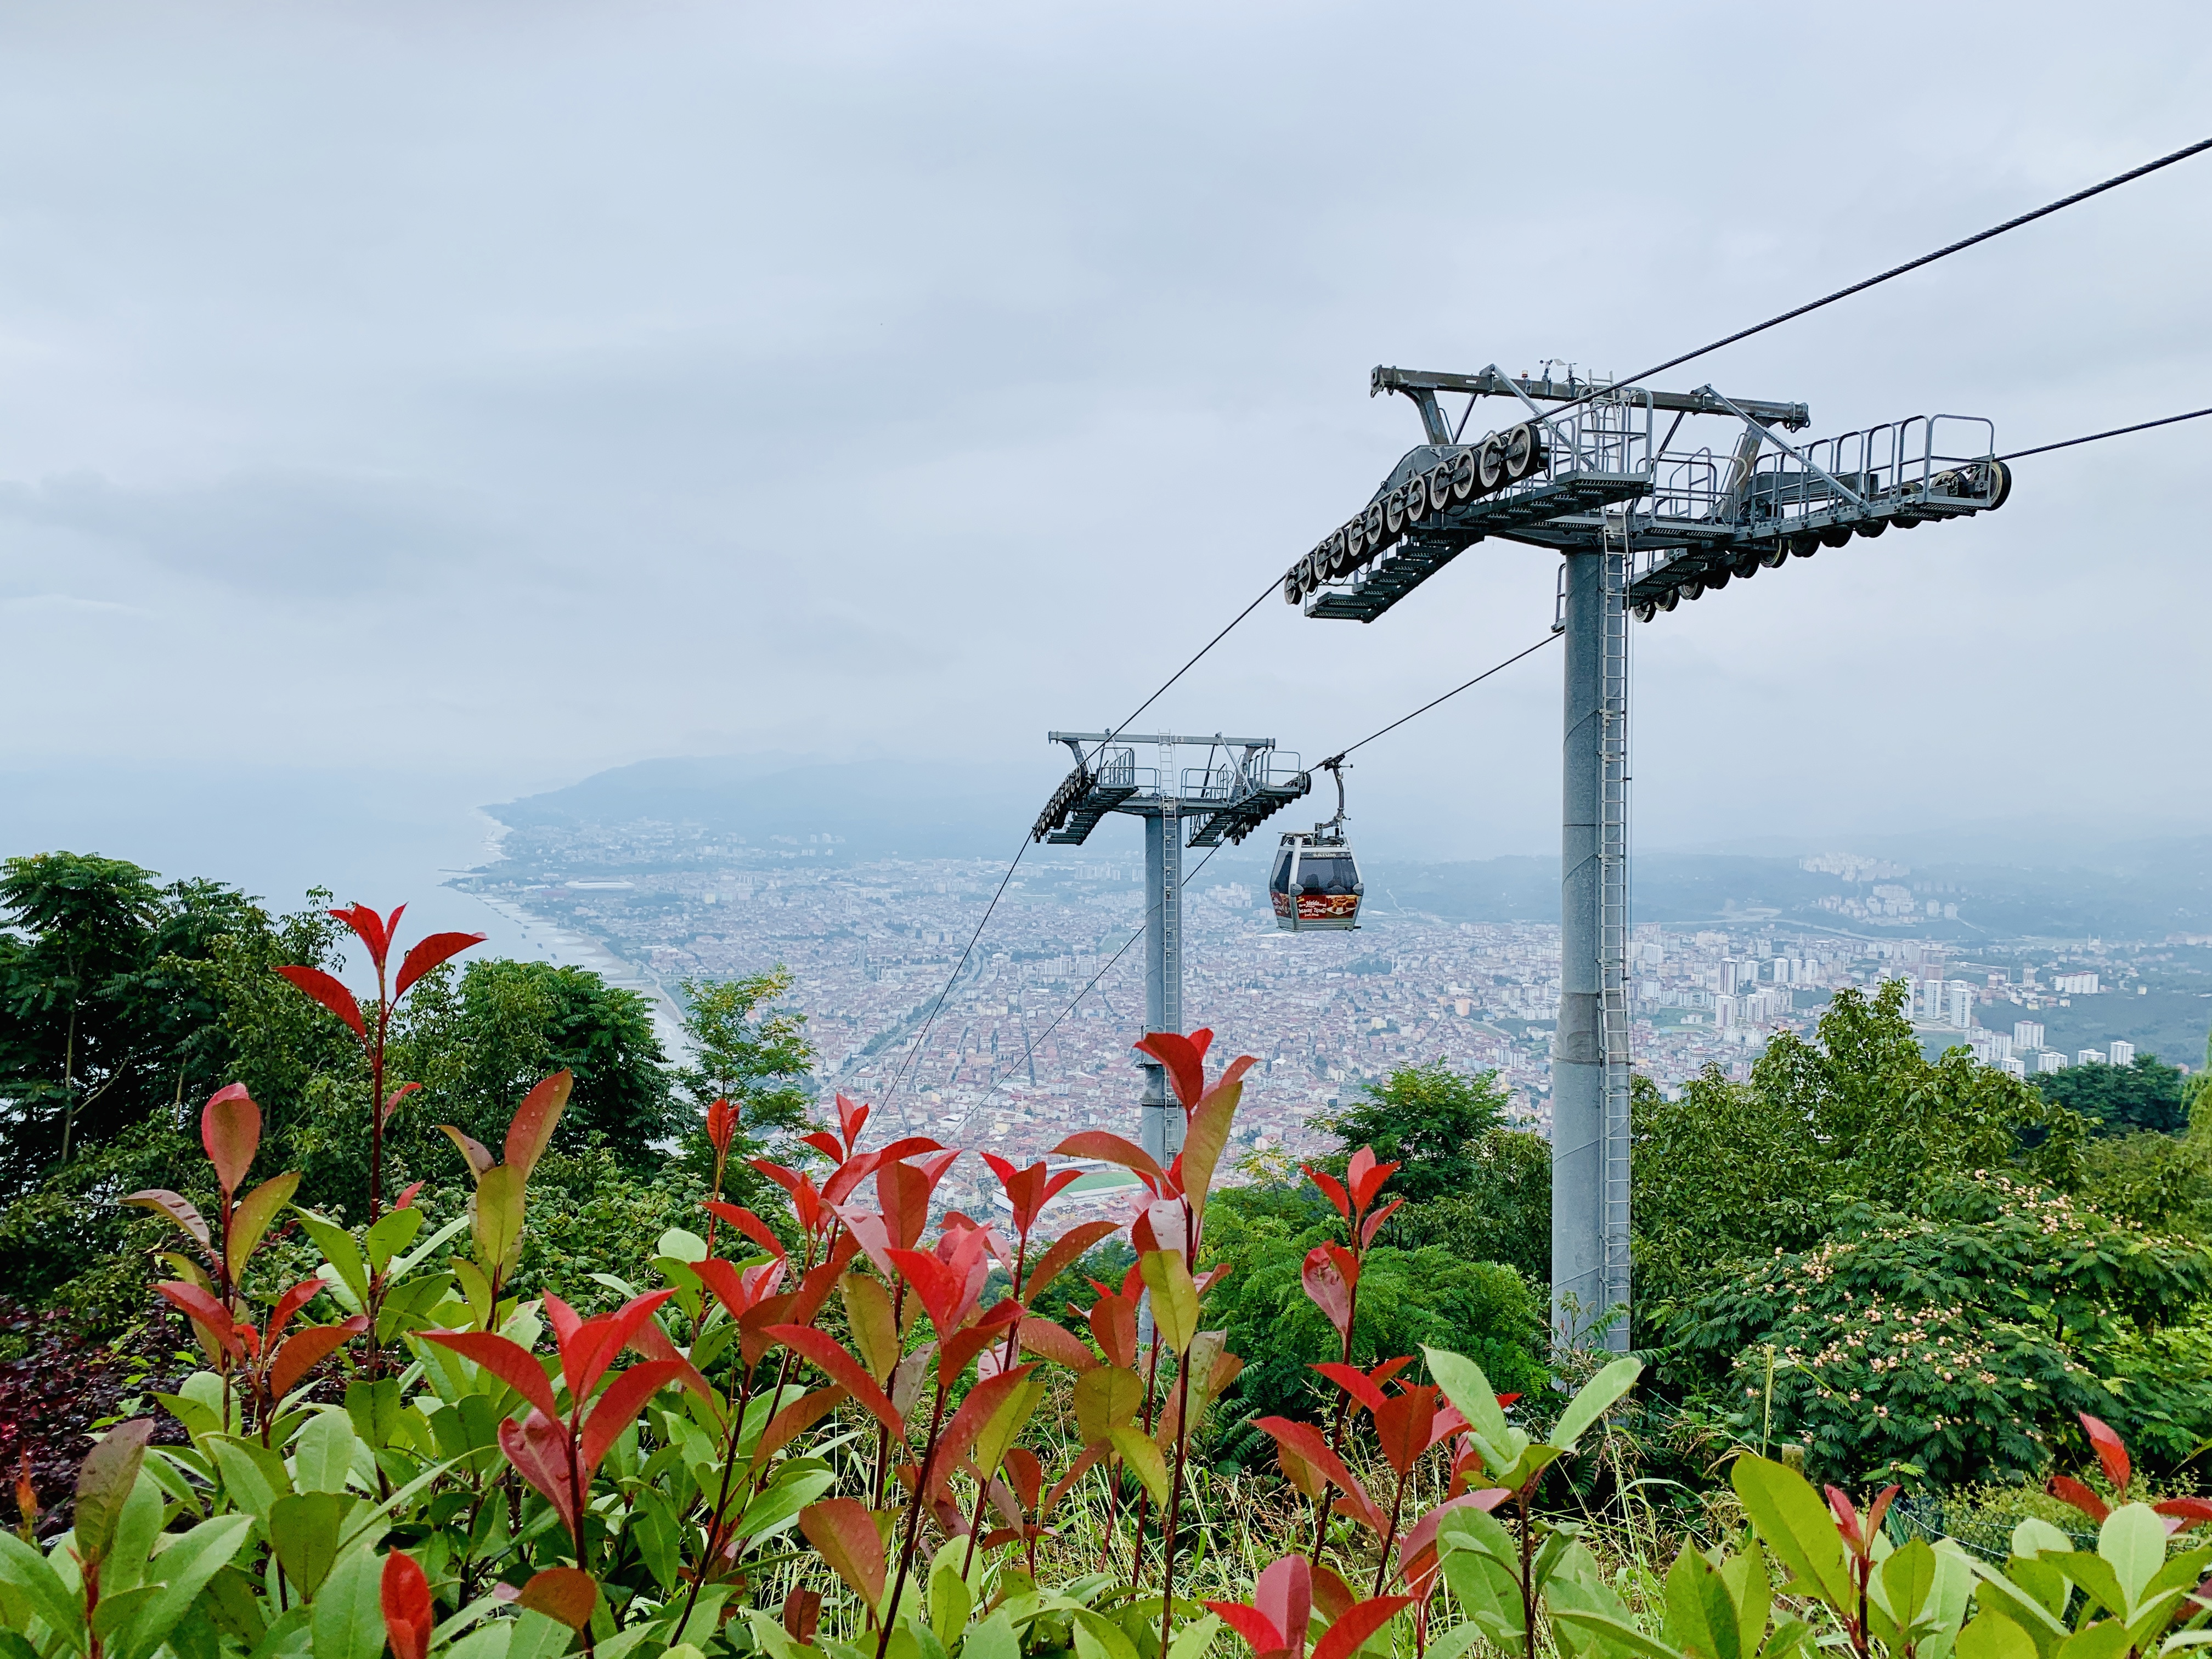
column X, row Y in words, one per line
column 1349, row 1633
column 1374, row 1223
column 427, row 954
column 825, row 1143
column 843, row 1532
column 794, row 1419
column 1111, row 1149
column 331, row 994
column 1185, row 1059
column 1258, row 1630
column 1206, row 1136
column 740, row 1291
column 1025, row 1474
column 306, row 1349
column 179, row 1208
column 805, row 1202
column 406, row 1597
column 2067, row 1489
column 104, row 1483
column 1114, row 1328
column 1420, row 1538
column 1364, row 1177
column 478, row 1154
column 1331, row 1189
column 587, row 1351
column 538, row 1447
column 954, row 1351
column 1065, row 1484
column 230, row 1129
column 1355, row 1383
column 531, row 1131
column 1847, row 1517
column 1327, row 1287
column 852, row 1118
column 903, row 1190
column 941, row 1289
column 205, row 1311
column 802, row 1615
column 1877, row 1510
column 373, row 930
column 1062, row 1254
column 290, row 1303
column 1331, row 1594
column 1402, row 1425
column 406, row 1199
column 561, row 1593
column 1283, row 1595
column 959, row 1435
column 2182, row 1513
column 392, row 1103
column 618, row 1408
column 1054, row 1342
column 821, row 1350
column 721, row 1127
column 505, row 1359
column 2111, row 1452
column 1306, row 1442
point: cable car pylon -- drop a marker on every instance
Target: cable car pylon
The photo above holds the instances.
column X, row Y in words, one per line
column 1642, row 523
column 1243, row 782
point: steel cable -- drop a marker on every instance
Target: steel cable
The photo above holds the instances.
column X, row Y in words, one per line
column 2114, row 432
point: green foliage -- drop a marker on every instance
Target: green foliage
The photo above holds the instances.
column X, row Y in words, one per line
column 1408, row 1299
column 104, row 1020
column 1426, row 1118
column 2145, row 1094
column 750, row 1051
column 1957, row 1344
column 1731, row 1173
column 1503, row 1212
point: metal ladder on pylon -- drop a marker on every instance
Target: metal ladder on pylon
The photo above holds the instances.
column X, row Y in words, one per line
column 1614, row 985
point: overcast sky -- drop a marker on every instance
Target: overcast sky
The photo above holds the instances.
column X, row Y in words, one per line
column 479, row 397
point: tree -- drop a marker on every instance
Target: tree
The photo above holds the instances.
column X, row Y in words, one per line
column 1503, row 1212
column 747, row 1050
column 1731, row 1172
column 102, row 1023
column 1426, row 1118
column 1958, row 1342
column 2147, row 1095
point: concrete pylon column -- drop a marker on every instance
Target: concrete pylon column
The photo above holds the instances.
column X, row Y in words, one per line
column 1578, row 1063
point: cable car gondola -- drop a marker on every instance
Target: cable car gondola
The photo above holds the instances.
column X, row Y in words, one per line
column 1316, row 881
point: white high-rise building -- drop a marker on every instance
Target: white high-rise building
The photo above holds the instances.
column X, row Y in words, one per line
column 2124, row 1053
column 2090, row 1057
column 1729, row 972
column 2074, row 985
column 2027, row 1034
column 1962, row 1003
column 2051, row 1061
column 1724, row 1011
column 2012, row 1066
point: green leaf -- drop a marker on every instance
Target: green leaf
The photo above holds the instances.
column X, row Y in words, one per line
column 323, row 1454
column 995, row 1639
column 1099, row 1638
column 253, row 1475
column 416, row 1257
column 1467, row 1387
column 393, row 1232
column 349, row 1617
column 340, row 1251
column 950, row 1601
column 778, row 1504
column 1144, row 1460
column 1595, row 1399
column 2133, row 1540
column 1797, row 1526
column 1905, row 1582
column 496, row 1213
column 184, row 1570
column 303, row 1530
column 1175, row 1297
column 1701, row 1615
column 1192, row 1641
column 1455, row 1642
column 536, row 1636
column 1616, row 1633
column 250, row 1221
column 2096, row 1576
column 2105, row 1639
column 104, row 1483
column 1991, row 1635
column 1744, row 1574
column 30, row 1572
